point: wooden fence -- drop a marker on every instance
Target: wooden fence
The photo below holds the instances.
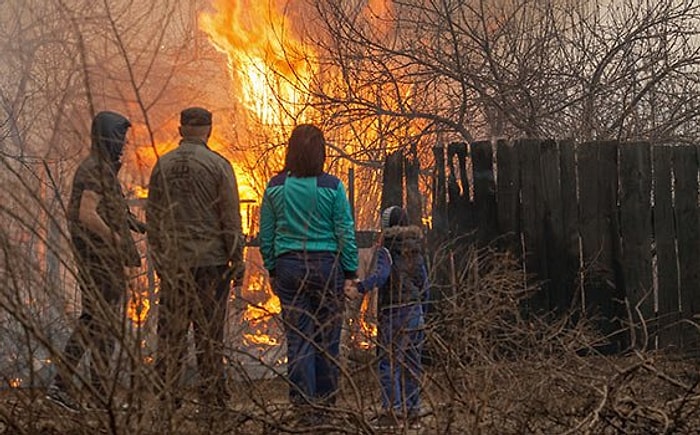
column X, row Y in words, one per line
column 608, row 228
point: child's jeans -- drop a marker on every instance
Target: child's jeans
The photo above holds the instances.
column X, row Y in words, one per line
column 401, row 336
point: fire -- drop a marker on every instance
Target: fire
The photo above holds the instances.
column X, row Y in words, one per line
column 269, row 65
column 368, row 329
column 139, row 304
column 15, row 382
column 270, row 70
column 138, row 307
column 261, row 304
column 140, row 192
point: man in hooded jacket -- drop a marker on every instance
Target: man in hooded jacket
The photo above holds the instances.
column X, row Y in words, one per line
column 99, row 222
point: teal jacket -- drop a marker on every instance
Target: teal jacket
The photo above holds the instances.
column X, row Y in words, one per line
column 307, row 214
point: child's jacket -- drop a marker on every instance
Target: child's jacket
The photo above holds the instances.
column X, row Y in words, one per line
column 400, row 272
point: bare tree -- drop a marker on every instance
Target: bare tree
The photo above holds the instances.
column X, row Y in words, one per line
column 625, row 69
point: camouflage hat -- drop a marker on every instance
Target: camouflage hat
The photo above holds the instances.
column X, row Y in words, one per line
column 195, row 116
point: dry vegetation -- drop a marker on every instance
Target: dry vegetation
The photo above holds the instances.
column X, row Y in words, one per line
column 489, row 369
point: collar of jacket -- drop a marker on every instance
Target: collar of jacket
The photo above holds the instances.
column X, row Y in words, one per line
column 193, row 141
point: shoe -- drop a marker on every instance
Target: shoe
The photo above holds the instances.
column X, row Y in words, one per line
column 308, row 418
column 413, row 421
column 93, row 407
column 114, row 406
column 173, row 404
column 61, row 397
column 386, row 421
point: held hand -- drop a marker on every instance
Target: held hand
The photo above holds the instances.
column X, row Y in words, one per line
column 236, row 272
column 117, row 240
column 350, row 289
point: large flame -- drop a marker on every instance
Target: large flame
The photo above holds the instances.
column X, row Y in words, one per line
column 271, row 68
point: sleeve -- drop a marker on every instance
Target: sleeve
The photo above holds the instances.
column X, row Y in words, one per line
column 154, row 212
column 425, row 288
column 88, row 178
column 230, row 219
column 132, row 258
column 267, row 233
column 345, row 233
column 379, row 276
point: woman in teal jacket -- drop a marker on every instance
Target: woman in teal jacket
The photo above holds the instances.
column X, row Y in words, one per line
column 307, row 241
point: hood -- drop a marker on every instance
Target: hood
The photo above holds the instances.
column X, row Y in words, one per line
column 411, row 231
column 402, row 237
column 109, row 136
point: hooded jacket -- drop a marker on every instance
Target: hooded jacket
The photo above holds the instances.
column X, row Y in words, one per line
column 98, row 173
column 400, row 272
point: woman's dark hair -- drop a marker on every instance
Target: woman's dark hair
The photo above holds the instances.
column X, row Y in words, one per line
column 306, row 151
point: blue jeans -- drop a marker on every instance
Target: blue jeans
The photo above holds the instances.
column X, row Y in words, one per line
column 310, row 288
column 401, row 336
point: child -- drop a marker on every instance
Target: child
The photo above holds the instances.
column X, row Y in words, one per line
column 401, row 277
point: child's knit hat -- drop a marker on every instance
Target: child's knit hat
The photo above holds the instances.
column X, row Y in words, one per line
column 393, row 216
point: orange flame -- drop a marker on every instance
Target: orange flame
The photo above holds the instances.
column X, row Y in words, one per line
column 270, row 70
column 368, row 329
column 139, row 304
column 258, row 314
column 269, row 65
column 140, row 192
column 138, row 307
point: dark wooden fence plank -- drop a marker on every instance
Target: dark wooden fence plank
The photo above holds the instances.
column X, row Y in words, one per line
column 414, row 206
column 598, row 187
column 439, row 217
column 508, row 194
column 685, row 166
column 533, row 209
column 553, row 228
column 484, row 192
column 665, row 252
column 459, row 211
column 570, row 222
column 392, row 192
column 560, row 279
column 636, row 235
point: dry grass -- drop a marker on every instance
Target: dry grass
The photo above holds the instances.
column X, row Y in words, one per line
column 490, row 370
